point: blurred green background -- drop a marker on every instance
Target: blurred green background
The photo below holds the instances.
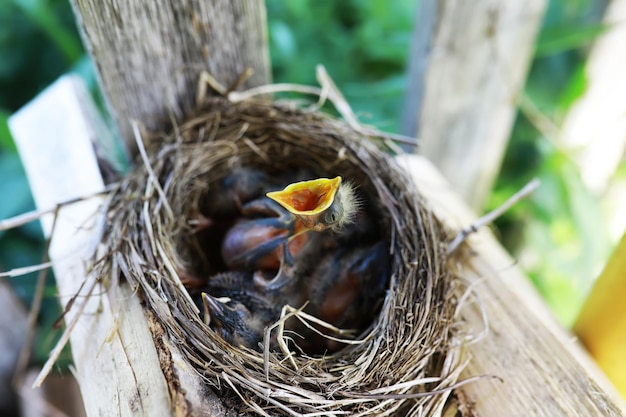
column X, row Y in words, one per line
column 560, row 233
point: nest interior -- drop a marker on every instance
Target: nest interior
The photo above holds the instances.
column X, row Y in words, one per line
column 407, row 351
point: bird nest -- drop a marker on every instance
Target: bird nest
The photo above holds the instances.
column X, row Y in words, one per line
column 402, row 363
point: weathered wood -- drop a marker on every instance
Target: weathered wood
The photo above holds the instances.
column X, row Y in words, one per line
column 468, row 78
column 149, row 54
column 542, row 369
column 115, row 360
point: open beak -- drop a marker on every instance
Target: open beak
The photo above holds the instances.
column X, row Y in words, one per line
column 307, row 198
column 213, row 308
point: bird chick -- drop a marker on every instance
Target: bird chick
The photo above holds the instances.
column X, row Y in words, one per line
column 344, row 289
column 233, row 321
column 229, row 195
column 271, row 242
column 319, row 204
column 263, row 239
column 236, row 310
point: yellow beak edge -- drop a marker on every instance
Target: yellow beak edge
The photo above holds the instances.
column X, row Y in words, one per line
column 307, row 197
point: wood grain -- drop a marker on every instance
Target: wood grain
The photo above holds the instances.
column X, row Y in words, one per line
column 149, row 54
column 114, row 357
column 541, row 369
column 466, row 76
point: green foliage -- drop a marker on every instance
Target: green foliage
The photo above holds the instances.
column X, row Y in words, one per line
column 560, row 234
column 6, row 142
column 561, row 38
column 363, row 45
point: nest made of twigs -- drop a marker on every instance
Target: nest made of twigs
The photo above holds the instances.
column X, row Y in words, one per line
column 404, row 355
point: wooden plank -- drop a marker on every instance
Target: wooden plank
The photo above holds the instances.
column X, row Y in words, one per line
column 115, row 359
column 149, row 53
column 464, row 79
column 542, row 369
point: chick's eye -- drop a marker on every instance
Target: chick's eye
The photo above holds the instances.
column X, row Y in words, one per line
column 332, row 217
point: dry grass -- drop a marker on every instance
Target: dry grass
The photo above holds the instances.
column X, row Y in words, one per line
column 410, row 349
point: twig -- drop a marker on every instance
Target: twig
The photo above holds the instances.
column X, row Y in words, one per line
column 492, row 215
column 16, row 272
column 22, row 362
column 237, row 96
column 56, row 352
column 31, row 216
column 419, row 394
column 341, row 104
column 146, row 161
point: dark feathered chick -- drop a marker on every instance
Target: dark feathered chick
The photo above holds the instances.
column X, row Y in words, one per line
column 236, row 311
column 344, row 289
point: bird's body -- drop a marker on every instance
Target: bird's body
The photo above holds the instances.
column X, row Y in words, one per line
column 262, row 242
column 228, row 196
column 237, row 311
column 233, row 321
column 344, row 290
column 231, row 193
column 312, row 243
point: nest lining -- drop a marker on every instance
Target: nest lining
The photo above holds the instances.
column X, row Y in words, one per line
column 407, row 349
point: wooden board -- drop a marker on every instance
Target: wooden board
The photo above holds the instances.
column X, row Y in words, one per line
column 541, row 369
column 149, row 53
column 467, row 64
column 115, row 361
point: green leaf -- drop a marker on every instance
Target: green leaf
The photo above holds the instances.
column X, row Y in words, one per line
column 6, row 140
column 557, row 39
column 14, row 189
column 40, row 13
column 575, row 87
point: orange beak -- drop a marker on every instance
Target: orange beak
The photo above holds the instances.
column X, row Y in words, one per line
column 315, row 203
column 307, row 197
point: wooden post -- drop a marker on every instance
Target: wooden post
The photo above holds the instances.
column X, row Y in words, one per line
column 115, row 360
column 541, row 370
column 464, row 78
column 149, row 53
column 120, row 370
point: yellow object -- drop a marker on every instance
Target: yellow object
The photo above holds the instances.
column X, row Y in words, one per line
column 307, row 197
column 601, row 324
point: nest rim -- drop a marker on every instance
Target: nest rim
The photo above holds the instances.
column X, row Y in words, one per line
column 412, row 336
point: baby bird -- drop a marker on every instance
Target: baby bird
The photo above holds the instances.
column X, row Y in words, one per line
column 230, row 194
column 233, row 321
column 272, row 241
column 318, row 204
column 344, row 290
column 260, row 243
column 236, row 311
column 227, row 197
